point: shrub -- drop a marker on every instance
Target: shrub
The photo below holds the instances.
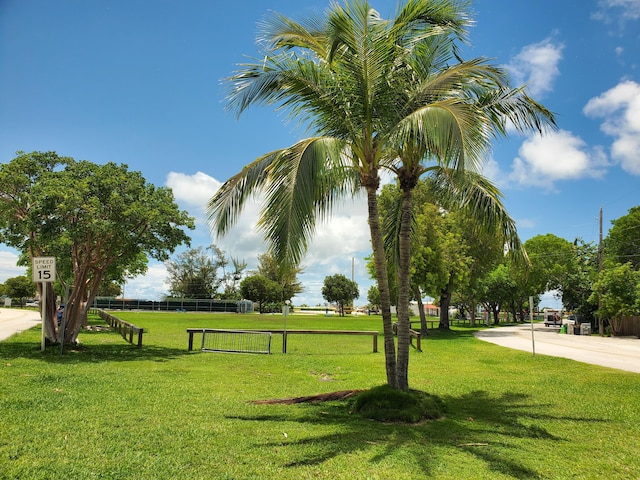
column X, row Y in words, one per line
column 387, row 404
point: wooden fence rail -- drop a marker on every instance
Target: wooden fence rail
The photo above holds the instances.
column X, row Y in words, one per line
column 126, row 329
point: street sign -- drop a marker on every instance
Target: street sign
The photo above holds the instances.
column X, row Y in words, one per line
column 44, row 269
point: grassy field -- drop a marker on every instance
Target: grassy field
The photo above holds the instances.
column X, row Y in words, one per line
column 108, row 410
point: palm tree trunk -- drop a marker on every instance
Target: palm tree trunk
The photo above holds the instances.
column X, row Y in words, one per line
column 382, row 278
column 404, row 247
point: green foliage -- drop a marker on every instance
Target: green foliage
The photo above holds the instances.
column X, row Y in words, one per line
column 373, row 297
column 622, row 241
column 339, row 289
column 109, row 289
column 19, row 288
column 284, row 274
column 386, row 404
column 194, row 272
column 260, row 289
column 551, row 259
column 579, row 278
column 101, row 222
column 618, row 291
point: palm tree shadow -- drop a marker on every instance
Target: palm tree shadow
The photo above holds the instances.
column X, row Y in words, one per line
column 471, row 419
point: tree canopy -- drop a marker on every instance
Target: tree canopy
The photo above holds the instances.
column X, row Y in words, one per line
column 340, row 290
column 101, row 222
column 261, row 290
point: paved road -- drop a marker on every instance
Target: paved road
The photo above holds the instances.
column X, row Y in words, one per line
column 622, row 353
column 14, row 320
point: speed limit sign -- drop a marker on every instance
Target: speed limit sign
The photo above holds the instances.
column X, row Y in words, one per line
column 44, row 269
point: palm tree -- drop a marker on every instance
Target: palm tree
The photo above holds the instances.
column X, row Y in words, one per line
column 448, row 112
column 368, row 88
column 337, row 73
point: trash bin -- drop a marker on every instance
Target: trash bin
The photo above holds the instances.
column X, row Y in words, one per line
column 585, row 329
column 563, row 329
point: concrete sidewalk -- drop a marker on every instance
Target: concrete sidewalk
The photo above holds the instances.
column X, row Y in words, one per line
column 622, row 353
column 14, row 320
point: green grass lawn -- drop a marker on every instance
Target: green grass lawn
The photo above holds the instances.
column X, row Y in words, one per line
column 111, row 411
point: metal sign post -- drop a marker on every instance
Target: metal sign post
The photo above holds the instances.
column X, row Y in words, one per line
column 44, row 271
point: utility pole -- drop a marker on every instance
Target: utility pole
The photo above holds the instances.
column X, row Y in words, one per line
column 600, row 323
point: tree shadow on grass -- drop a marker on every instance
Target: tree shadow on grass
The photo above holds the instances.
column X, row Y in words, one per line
column 456, row 333
column 490, row 428
column 105, row 346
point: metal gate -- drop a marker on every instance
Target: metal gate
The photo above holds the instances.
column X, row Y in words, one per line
column 236, row 341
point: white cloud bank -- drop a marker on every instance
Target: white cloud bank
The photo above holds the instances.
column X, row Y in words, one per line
column 624, row 10
column 544, row 160
column 8, row 267
column 619, row 108
column 562, row 155
column 340, row 242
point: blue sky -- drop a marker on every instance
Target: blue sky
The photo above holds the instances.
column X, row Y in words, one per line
column 139, row 82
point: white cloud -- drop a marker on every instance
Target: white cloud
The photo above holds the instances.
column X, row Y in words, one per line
column 151, row 286
column 194, row 190
column 491, row 170
column 543, row 160
column 342, row 237
column 8, row 266
column 537, row 66
column 620, row 109
column 525, row 223
column 625, row 10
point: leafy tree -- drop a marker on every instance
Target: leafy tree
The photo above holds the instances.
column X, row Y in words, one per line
column 260, row 289
column 231, row 279
column 618, row 293
column 194, row 272
column 340, row 290
column 551, row 259
column 20, row 288
column 379, row 94
column 373, row 297
column 284, row 274
column 622, row 240
column 109, row 289
column 99, row 221
column 496, row 290
column 579, row 279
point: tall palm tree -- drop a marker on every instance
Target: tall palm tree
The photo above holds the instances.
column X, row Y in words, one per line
column 361, row 83
column 337, row 73
column 450, row 110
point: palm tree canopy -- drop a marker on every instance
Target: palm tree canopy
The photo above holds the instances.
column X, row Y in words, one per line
column 376, row 94
column 337, row 74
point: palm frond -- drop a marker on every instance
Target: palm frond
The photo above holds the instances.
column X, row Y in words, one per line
column 481, row 200
column 227, row 204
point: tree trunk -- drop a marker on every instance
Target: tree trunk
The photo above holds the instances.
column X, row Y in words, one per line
column 473, row 306
column 424, row 331
column 404, row 274
column 49, row 317
column 445, row 301
column 382, row 278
